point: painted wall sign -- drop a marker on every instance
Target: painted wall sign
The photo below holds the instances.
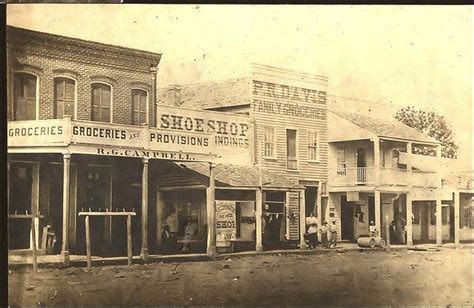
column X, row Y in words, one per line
column 109, row 134
column 226, row 230
column 36, row 133
column 227, row 130
column 138, row 153
column 282, row 91
column 288, row 109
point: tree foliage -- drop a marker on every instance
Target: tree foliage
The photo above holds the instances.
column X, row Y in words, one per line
column 432, row 124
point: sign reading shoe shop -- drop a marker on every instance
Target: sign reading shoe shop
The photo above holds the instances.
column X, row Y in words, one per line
column 182, row 134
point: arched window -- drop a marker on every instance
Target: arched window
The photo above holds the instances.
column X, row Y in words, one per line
column 139, row 104
column 24, row 103
column 101, row 102
column 64, row 97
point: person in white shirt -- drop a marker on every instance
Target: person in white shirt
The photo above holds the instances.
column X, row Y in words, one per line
column 312, row 235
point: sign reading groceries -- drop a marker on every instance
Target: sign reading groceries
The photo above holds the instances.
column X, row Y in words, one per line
column 225, row 223
column 182, row 131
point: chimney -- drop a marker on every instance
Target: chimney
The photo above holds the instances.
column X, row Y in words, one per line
column 174, row 92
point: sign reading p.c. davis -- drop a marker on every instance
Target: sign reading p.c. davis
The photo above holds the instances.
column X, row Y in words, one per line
column 226, row 230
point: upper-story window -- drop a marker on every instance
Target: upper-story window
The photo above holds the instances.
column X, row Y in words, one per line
column 24, row 102
column 341, row 160
column 291, row 149
column 269, row 141
column 313, row 145
column 101, row 102
column 139, row 106
column 64, row 97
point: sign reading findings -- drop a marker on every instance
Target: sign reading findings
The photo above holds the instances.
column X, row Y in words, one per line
column 286, row 96
column 226, row 230
column 224, row 129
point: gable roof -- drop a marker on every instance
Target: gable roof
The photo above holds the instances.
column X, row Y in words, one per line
column 208, row 95
column 381, row 127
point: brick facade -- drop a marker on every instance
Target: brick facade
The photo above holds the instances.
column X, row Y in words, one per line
column 48, row 56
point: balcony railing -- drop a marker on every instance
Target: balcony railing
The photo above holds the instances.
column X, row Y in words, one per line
column 354, row 175
column 388, row 176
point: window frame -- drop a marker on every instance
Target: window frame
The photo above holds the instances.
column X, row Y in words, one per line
column 344, row 162
column 296, row 148
column 111, row 101
column 37, row 93
column 74, row 116
column 273, row 142
column 147, row 106
column 311, row 146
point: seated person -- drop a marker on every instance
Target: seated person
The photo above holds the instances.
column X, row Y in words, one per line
column 168, row 240
column 189, row 232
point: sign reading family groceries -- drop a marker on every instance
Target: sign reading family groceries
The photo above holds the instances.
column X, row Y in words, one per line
column 291, row 101
column 225, row 223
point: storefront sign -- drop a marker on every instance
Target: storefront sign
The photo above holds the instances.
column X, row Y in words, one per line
column 138, row 153
column 227, row 130
column 109, row 134
column 225, row 223
column 288, row 109
column 282, row 91
column 36, row 133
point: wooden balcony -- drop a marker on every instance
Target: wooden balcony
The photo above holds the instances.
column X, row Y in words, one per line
column 388, row 177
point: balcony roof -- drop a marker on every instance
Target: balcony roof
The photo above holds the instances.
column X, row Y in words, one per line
column 388, row 128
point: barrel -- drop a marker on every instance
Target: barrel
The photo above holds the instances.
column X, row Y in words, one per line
column 370, row 241
column 366, row 241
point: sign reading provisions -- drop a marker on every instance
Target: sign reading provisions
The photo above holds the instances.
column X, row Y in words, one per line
column 227, row 130
column 226, row 230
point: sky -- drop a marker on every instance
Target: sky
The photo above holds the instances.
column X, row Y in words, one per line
column 402, row 55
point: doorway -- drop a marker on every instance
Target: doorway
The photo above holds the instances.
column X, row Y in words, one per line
column 347, row 219
column 310, row 197
column 20, row 201
column 361, row 165
column 274, row 220
column 98, row 198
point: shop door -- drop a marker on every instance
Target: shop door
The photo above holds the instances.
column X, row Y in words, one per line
column 20, row 194
column 310, row 196
column 98, row 199
column 424, row 221
column 347, row 219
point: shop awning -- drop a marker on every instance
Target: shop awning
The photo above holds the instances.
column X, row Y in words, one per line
column 194, row 173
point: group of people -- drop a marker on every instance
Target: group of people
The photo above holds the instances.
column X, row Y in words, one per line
column 327, row 231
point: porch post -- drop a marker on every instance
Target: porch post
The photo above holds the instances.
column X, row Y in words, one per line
column 439, row 226
column 160, row 210
column 319, row 201
column 144, row 251
column 65, row 235
column 302, row 220
column 409, row 219
column 377, row 162
column 457, row 209
column 377, row 205
column 211, row 213
column 258, row 220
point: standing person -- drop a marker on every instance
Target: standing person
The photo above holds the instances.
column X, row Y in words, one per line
column 168, row 240
column 311, row 219
column 189, row 232
column 313, row 235
column 400, row 229
column 324, row 234
column 332, row 235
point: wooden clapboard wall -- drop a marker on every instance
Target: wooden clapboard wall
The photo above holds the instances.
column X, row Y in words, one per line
column 270, row 107
column 293, row 200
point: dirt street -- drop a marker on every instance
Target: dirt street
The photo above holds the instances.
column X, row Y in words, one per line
column 329, row 278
